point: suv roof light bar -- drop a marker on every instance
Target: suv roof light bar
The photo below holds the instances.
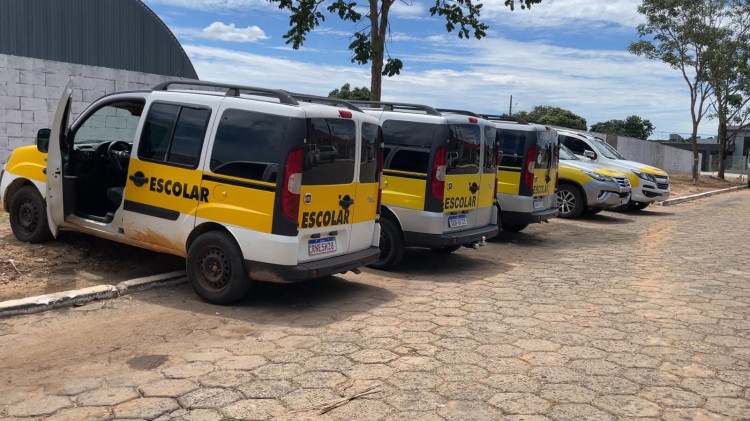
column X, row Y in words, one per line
column 461, row 112
column 398, row 106
column 324, row 100
column 497, row 117
column 232, row 90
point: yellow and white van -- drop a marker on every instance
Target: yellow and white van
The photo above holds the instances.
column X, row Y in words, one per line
column 526, row 173
column 439, row 179
column 219, row 177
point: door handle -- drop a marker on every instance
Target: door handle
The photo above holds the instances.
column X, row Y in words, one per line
column 346, row 201
column 138, row 179
column 474, row 188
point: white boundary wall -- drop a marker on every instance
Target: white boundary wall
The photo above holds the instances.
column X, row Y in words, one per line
column 30, row 90
column 672, row 160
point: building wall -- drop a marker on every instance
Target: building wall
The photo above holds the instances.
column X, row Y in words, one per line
column 30, row 90
column 672, row 160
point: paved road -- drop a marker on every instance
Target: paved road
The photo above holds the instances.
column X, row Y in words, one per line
column 619, row 316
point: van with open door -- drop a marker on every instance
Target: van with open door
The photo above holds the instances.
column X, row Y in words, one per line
column 439, row 179
column 221, row 176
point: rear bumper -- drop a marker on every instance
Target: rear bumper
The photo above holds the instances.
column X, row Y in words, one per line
column 311, row 270
column 420, row 239
column 528, row 217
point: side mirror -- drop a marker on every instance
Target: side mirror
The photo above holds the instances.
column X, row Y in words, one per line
column 589, row 154
column 42, row 140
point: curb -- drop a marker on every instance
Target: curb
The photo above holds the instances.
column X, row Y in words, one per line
column 71, row 298
column 677, row 200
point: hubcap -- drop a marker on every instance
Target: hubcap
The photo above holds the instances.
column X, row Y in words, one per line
column 214, row 270
column 28, row 216
column 565, row 202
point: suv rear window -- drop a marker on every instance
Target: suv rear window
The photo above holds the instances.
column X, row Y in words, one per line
column 463, row 149
column 248, row 145
column 334, row 163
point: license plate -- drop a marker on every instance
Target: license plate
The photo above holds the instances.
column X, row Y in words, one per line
column 538, row 203
column 458, row 221
column 321, row 245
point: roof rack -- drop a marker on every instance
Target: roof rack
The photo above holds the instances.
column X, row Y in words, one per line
column 324, row 100
column 461, row 112
column 399, row 106
column 497, row 117
column 232, row 90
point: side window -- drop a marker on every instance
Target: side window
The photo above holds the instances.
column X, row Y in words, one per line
column 115, row 121
column 372, row 137
column 173, row 134
column 409, row 160
column 408, row 133
column 575, row 145
column 248, row 145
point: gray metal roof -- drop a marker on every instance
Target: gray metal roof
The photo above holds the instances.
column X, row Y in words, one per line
column 121, row 34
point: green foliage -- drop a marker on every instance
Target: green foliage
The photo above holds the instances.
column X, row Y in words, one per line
column 346, row 92
column 368, row 40
column 554, row 116
column 633, row 126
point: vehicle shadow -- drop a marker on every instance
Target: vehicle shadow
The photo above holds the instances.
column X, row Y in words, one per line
column 645, row 212
column 605, row 219
column 523, row 239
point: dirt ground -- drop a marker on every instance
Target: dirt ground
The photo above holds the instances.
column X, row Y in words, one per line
column 682, row 184
column 72, row 261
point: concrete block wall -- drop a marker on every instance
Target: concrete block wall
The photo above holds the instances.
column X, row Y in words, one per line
column 31, row 88
column 672, row 160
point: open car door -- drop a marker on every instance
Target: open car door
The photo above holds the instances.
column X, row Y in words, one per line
column 56, row 151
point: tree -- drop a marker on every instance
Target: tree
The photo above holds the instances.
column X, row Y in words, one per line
column 554, row 116
column 346, row 92
column 728, row 73
column 368, row 43
column 679, row 33
column 632, row 126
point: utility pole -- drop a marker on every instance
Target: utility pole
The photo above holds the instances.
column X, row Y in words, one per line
column 510, row 107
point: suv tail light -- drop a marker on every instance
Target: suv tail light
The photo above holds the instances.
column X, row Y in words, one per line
column 528, row 173
column 438, row 174
column 292, row 184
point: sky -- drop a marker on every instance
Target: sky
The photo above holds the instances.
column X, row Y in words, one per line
column 563, row 53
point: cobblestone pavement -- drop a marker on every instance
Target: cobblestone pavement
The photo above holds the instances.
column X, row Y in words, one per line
column 618, row 316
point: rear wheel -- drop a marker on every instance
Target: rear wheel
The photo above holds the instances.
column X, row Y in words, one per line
column 638, row 205
column 445, row 250
column 28, row 216
column 569, row 201
column 216, row 269
column 391, row 245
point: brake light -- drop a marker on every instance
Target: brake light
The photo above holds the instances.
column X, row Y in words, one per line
column 380, row 178
column 473, row 120
column 292, row 184
column 345, row 114
column 528, row 174
column 438, row 173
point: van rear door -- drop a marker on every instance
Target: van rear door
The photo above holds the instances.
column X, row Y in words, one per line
column 328, row 189
column 545, row 170
column 365, row 208
column 462, row 176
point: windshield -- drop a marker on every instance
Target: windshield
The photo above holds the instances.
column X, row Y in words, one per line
column 567, row 154
column 606, row 149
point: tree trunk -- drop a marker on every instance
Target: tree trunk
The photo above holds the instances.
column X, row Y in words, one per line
column 722, row 145
column 696, row 157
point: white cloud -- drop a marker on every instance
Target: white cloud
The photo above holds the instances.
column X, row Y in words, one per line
column 409, row 10
column 220, row 31
column 567, row 13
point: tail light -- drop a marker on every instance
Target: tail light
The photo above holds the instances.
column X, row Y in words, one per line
column 438, row 173
column 292, row 184
column 380, row 177
column 528, row 174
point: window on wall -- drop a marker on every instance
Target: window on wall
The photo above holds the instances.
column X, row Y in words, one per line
column 173, row 134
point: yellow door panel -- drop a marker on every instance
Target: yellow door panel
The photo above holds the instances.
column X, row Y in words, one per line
column 169, row 187
column 458, row 194
column 365, row 202
column 320, row 206
column 404, row 192
column 544, row 186
column 487, row 190
column 508, row 182
column 238, row 202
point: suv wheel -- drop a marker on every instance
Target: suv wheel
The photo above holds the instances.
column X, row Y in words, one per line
column 28, row 216
column 569, row 201
column 391, row 245
column 216, row 268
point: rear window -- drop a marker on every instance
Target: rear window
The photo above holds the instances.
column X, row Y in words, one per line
column 334, row 163
column 408, row 160
column 248, row 145
column 371, row 139
column 408, row 133
column 512, row 147
column 463, row 149
column 490, row 166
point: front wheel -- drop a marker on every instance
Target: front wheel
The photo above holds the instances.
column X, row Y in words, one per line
column 638, row 205
column 216, row 268
column 28, row 216
column 391, row 246
column 569, row 201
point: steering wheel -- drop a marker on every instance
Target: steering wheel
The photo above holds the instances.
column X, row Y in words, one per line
column 116, row 156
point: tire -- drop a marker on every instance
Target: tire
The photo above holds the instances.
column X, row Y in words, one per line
column 569, row 201
column 638, row 205
column 445, row 250
column 593, row 211
column 216, row 268
column 28, row 216
column 514, row 227
column 391, row 245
